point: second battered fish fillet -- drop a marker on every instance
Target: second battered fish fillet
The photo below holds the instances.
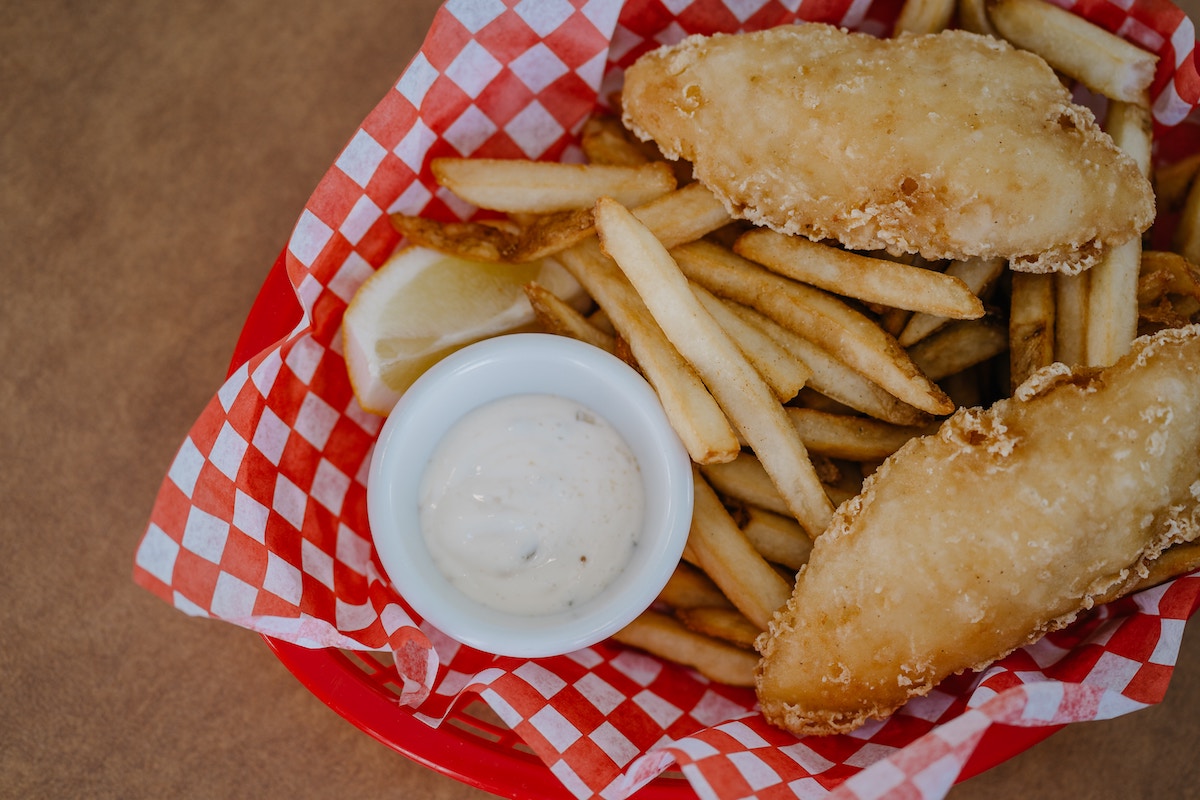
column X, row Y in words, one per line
column 974, row 541
column 950, row 145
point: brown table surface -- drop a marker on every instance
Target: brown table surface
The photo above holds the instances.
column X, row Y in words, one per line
column 154, row 158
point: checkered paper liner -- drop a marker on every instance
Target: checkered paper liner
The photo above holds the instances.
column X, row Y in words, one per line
column 261, row 520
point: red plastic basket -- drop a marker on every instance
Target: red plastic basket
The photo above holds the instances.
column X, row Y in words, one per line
column 472, row 745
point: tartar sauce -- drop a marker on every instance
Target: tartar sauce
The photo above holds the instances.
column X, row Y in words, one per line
column 531, row 504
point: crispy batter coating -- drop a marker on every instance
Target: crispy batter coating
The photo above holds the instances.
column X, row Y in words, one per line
column 976, row 540
column 950, row 145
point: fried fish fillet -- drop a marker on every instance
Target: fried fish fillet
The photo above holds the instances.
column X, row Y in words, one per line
column 977, row 540
column 949, row 145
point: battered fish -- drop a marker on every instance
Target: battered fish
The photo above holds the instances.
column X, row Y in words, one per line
column 977, row 540
column 950, row 145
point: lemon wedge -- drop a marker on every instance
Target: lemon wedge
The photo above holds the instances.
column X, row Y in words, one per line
column 422, row 305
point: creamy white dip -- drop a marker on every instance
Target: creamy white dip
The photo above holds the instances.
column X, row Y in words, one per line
column 531, row 504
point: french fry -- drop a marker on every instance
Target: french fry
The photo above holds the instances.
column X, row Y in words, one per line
column 666, row 637
column 499, row 240
column 676, row 217
column 743, row 479
column 833, row 379
column 683, row 215
column 977, row 274
column 871, row 280
column 1186, row 239
column 958, row 346
column 549, row 234
column 1179, row 275
column 777, row 538
column 694, row 414
column 606, row 141
column 558, row 316
column 1070, row 317
column 1168, row 291
column 689, row 587
column 972, row 16
column 817, row 316
column 1030, row 325
column 1101, row 61
column 893, row 320
column 477, row 241
column 783, row 372
column 724, row 553
column 1112, row 315
column 849, row 438
column 738, row 388
column 923, row 16
column 541, row 187
column 1172, row 181
column 726, row 624
column 600, row 319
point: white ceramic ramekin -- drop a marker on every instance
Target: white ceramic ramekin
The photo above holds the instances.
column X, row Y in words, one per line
column 520, row 364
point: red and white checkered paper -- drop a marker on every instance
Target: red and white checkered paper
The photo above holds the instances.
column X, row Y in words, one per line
column 261, row 520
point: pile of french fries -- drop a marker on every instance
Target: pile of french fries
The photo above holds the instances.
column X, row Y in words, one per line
column 790, row 369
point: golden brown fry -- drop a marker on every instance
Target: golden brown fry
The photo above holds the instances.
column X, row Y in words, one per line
column 725, row 554
column 560, row 317
column 1112, row 315
column 1171, row 181
column 738, row 388
column 541, row 187
column 600, row 319
column 1112, row 305
column 606, row 141
column 923, row 16
column 1180, row 276
column 958, row 346
column 1186, row 240
column 850, row 438
column 783, row 372
column 743, row 479
column 777, row 538
column 499, row 240
column 1030, row 325
column 1070, row 318
column 817, row 316
column 666, row 637
column 972, row 16
column 1168, row 291
column 477, row 241
column 1101, row 61
column 726, row 624
column 893, row 320
column 872, row 280
column 549, row 234
column 695, row 415
column 978, row 274
column 683, row 215
column 834, row 380
column 689, row 587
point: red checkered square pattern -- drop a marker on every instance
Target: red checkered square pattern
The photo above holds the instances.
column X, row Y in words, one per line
column 261, row 518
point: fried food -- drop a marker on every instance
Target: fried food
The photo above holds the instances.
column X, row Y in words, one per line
column 811, row 130
column 972, row 542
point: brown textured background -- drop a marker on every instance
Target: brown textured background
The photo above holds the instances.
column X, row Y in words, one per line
column 153, row 158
